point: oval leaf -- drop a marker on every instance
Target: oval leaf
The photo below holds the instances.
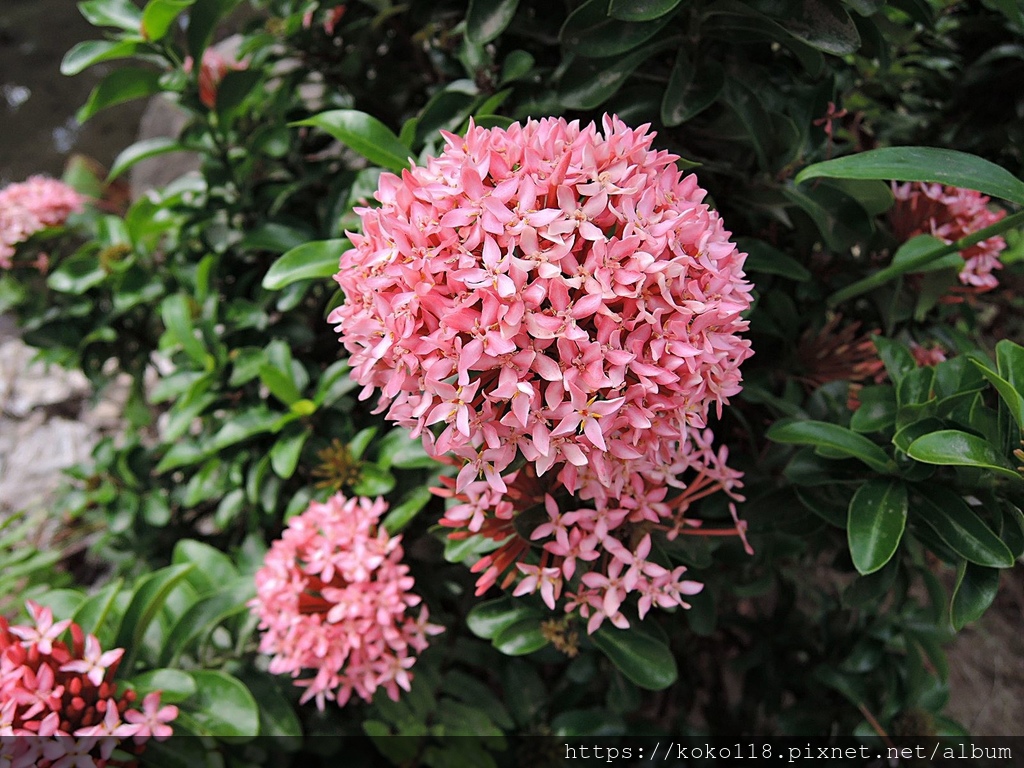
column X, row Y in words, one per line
column 141, row 150
column 521, row 638
column 364, row 134
column 119, row 86
column 834, row 437
column 486, row 19
column 146, row 602
column 944, row 166
column 959, row 528
column 90, row 52
column 874, row 527
column 645, row 660
column 641, row 10
column 951, row 447
column 976, row 588
column 487, row 619
column 307, row 262
column 222, row 706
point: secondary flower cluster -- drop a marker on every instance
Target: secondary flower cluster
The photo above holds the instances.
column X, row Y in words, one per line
column 335, row 600
column 30, row 206
column 63, row 698
column 950, row 213
column 560, row 295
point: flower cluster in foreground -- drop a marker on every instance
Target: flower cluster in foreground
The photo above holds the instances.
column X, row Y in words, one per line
column 561, row 296
column 65, row 699
column 30, row 206
column 950, row 213
column 334, row 600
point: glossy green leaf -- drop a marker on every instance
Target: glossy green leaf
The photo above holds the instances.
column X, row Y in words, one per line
column 254, row 421
column 944, row 166
column 874, row 527
column 141, row 150
column 1011, row 395
column 364, row 134
column 310, row 261
column 284, row 456
column 840, row 219
column 590, row 32
column 877, row 410
column 212, row 569
column 121, row 85
column 951, row 447
column 644, row 659
column 488, row 618
column 960, row 528
column 522, row 637
column 112, row 13
column 824, row 25
column 221, row 706
column 278, row 718
column 280, row 384
column 909, row 254
column 77, row 274
column 146, row 602
column 768, row 260
column 641, row 10
column 159, row 15
column 206, row 615
column 173, row 684
column 833, row 436
column 89, row 52
column 690, row 89
column 486, row 19
column 176, row 312
column 202, row 20
column 588, row 83
column 93, row 613
column 1010, row 363
column 976, row 588
column 402, row 514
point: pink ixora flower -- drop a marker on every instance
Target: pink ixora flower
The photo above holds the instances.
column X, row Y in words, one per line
column 30, row 206
column 58, row 702
column 950, row 213
column 335, row 602
column 557, row 297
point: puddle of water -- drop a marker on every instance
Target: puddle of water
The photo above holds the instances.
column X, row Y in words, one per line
column 37, row 103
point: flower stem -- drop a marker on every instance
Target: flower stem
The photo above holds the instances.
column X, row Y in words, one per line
column 895, row 270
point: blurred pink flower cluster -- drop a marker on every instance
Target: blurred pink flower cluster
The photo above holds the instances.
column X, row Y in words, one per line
column 59, row 706
column 30, row 206
column 950, row 213
column 334, row 598
column 561, row 295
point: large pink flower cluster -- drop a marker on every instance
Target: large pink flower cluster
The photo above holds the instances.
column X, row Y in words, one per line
column 950, row 213
column 561, row 295
column 32, row 205
column 59, row 706
column 335, row 600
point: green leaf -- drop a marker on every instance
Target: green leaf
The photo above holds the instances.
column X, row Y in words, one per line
column 146, row 602
column 644, row 659
column 588, row 83
column 976, row 588
column 112, row 13
column 823, row 24
column 1010, row 363
column 641, row 10
column 486, row 19
column 590, row 32
column 173, row 684
column 280, row 384
column 960, row 528
column 877, row 410
column 840, row 219
column 212, row 569
column 202, row 20
column 142, row 150
column 489, row 618
column 284, row 456
column 206, row 615
column 364, row 134
column 690, row 90
column 768, row 260
column 874, row 527
column 92, row 614
column 944, row 166
column 278, row 718
column 254, row 421
column 1010, row 394
column 951, row 447
column 77, row 274
column 911, row 252
column 307, row 262
column 222, row 706
column 897, row 358
column 176, row 312
column 159, row 15
column 520, row 638
column 402, row 514
column 89, row 52
column 121, row 85
column 834, row 437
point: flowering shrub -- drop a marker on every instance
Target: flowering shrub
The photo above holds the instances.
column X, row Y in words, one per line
column 950, row 213
column 67, row 695
column 31, row 206
column 334, row 599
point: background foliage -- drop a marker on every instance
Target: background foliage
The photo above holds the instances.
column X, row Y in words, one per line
column 882, row 506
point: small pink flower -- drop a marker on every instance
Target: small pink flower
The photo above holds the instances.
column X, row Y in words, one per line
column 95, row 662
column 152, row 720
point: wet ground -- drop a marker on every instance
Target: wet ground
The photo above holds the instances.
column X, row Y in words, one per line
column 37, row 104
